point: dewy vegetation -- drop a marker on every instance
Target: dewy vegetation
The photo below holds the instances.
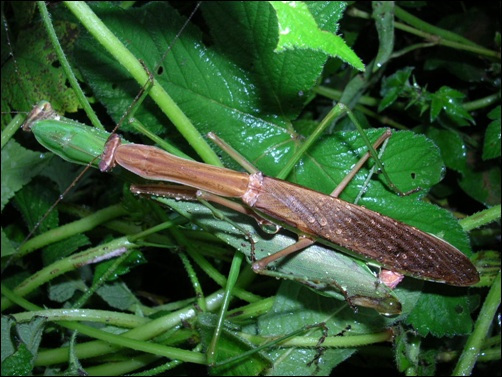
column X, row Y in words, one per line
column 166, row 280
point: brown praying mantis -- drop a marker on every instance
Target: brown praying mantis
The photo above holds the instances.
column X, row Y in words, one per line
column 395, row 246
column 313, row 215
column 297, row 208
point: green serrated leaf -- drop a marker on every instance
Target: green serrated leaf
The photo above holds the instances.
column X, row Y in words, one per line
column 327, row 14
column 31, row 333
column 117, row 295
column 453, row 148
column 204, row 81
column 64, row 289
column 483, row 186
column 29, row 336
column 450, row 101
column 410, row 160
column 33, row 202
column 213, row 86
column 491, row 146
column 249, row 41
column 19, row 363
column 63, row 248
column 451, row 315
column 248, row 99
column 394, row 86
column 19, row 165
column 299, row 30
column 36, row 73
column 7, row 247
column 295, row 307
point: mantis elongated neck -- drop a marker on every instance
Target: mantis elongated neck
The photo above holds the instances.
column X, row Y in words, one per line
column 155, row 164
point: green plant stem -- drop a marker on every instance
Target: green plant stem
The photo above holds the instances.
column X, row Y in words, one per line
column 68, row 230
column 197, row 287
column 482, row 102
column 362, row 102
column 145, row 332
column 12, row 127
column 431, row 29
column 113, row 45
column 382, row 119
column 92, row 255
column 262, row 345
column 155, row 229
column 207, row 267
column 445, row 42
column 472, row 347
column 125, row 367
column 490, row 355
column 139, row 345
column 431, row 33
column 232, row 278
column 330, row 341
column 138, row 126
column 410, row 48
column 101, row 281
column 97, row 316
column 252, row 310
column 328, row 119
column 66, row 66
column 335, row 95
column 448, row 38
column 481, row 218
column 372, row 151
